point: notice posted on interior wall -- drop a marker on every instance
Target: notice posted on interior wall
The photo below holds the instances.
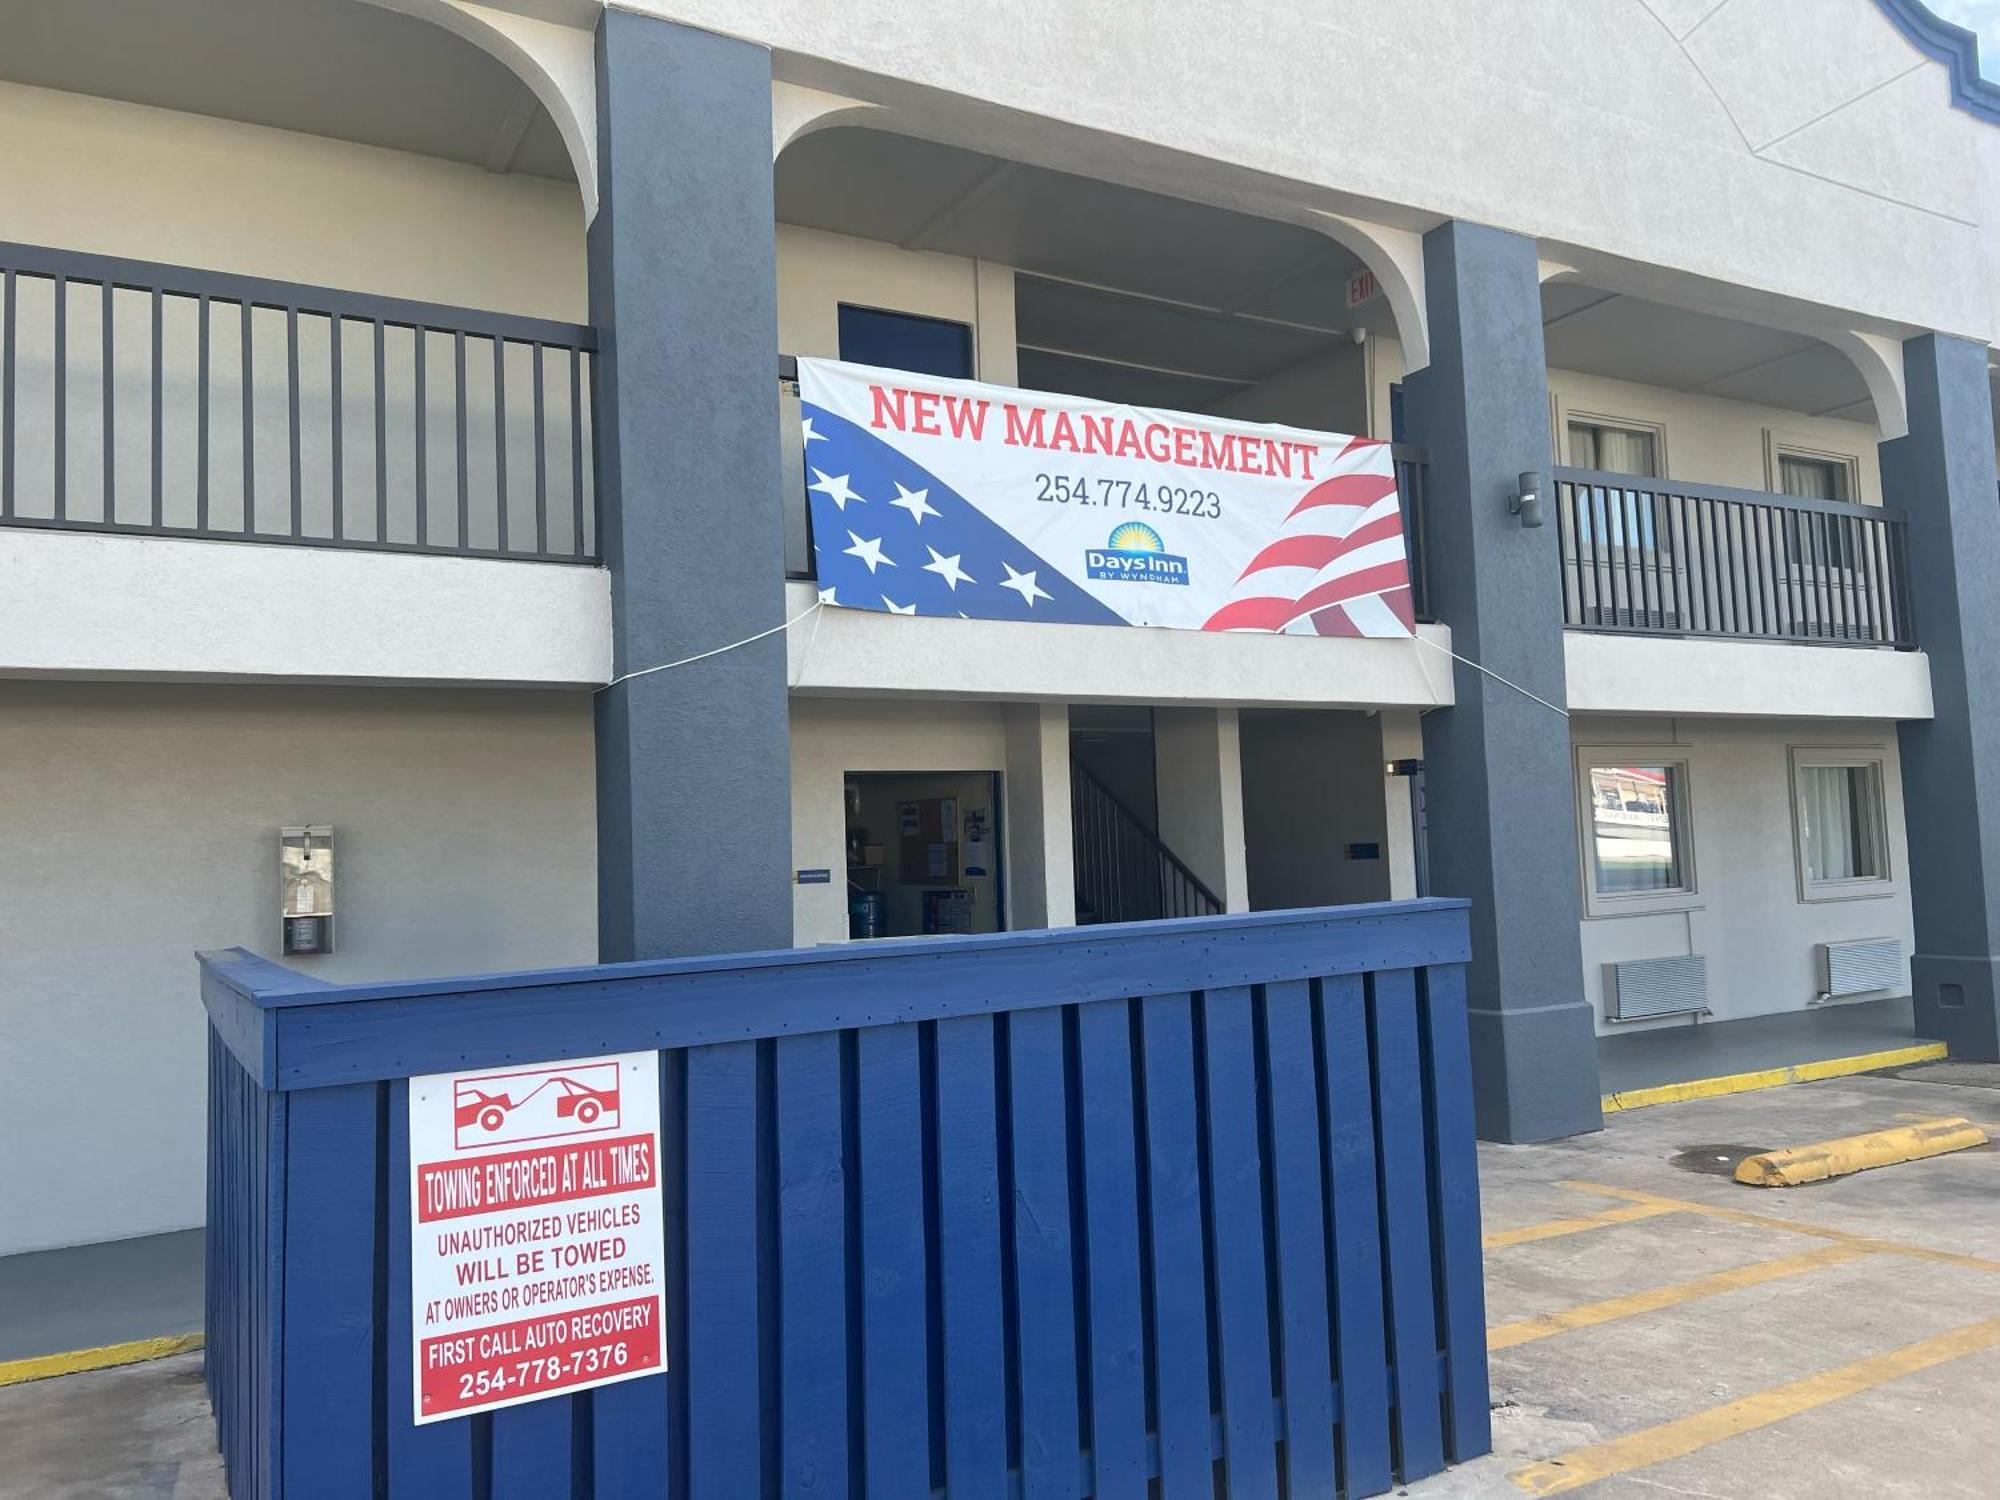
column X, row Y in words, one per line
column 537, row 1265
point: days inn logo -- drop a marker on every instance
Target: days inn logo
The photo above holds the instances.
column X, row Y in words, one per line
column 1135, row 553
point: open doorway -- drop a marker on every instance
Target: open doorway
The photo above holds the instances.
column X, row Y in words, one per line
column 923, row 853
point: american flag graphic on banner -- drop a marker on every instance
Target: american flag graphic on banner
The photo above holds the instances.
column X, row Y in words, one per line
column 1339, row 565
column 950, row 498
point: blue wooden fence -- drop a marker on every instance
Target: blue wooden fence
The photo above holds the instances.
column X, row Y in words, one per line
column 1038, row 1214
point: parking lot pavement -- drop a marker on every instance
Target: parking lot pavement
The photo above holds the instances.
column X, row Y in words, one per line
column 1656, row 1329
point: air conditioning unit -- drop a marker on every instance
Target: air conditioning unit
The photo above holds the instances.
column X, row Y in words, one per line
column 1642, row 989
column 1860, row 967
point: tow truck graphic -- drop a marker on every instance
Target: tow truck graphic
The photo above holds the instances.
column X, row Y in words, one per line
column 536, row 1104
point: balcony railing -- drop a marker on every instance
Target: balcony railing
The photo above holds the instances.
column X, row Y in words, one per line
column 161, row 400
column 1662, row 557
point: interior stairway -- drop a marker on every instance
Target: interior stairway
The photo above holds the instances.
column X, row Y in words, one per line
column 1123, row 872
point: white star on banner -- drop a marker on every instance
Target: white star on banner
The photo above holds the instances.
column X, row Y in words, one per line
column 1024, row 584
column 826, row 595
column 806, row 427
column 869, row 552
column 915, row 502
column 835, row 488
column 898, row 609
column 948, row 569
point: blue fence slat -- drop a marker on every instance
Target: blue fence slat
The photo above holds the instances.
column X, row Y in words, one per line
column 1180, row 1294
column 1044, row 1256
column 812, row 1268
column 1305, row 1354
column 1406, row 1228
column 534, row 1449
column 1354, row 1234
column 632, row 1423
column 1236, row 1241
column 724, row 1371
column 1111, row 1232
column 329, row 1304
column 1024, row 1233
column 434, row 1461
column 1454, row 1168
column 975, row 1356
column 894, row 1330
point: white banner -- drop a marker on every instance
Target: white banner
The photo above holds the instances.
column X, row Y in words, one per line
column 948, row 497
column 536, row 1260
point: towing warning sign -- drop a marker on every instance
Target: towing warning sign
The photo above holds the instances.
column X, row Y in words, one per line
column 536, row 1262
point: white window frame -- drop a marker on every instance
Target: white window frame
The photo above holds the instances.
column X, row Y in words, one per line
column 1777, row 446
column 1813, row 892
column 1566, row 414
column 1684, row 897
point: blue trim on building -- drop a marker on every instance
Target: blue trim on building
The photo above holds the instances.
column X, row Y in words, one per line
column 1955, row 47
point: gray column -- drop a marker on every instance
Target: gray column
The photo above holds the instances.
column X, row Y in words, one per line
column 1942, row 476
column 1501, row 806
column 693, row 765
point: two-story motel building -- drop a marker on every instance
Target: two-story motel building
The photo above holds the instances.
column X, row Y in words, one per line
column 380, row 379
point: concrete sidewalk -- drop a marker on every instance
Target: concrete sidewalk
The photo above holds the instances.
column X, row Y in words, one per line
column 1656, row 1328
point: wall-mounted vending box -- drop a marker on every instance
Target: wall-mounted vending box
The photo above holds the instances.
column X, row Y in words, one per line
column 305, row 884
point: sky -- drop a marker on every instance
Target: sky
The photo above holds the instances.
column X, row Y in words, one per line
column 1981, row 16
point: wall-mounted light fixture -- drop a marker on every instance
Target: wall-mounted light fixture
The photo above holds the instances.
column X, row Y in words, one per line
column 1526, row 501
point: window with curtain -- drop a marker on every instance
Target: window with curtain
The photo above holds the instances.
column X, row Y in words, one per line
column 1615, row 450
column 1636, row 834
column 1813, row 478
column 1841, row 836
column 1822, row 541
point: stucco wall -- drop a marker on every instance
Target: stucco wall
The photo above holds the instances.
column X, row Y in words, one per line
column 1314, row 783
column 1801, row 147
column 1708, row 440
column 139, row 823
column 84, row 173
column 1746, row 914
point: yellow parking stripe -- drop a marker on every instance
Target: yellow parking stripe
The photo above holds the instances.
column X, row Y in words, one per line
column 1555, row 1228
column 1507, row 1335
column 1770, row 1078
column 1672, row 1440
column 1790, row 1226
column 75, row 1361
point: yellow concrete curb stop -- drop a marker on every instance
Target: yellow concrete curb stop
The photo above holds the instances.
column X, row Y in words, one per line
column 1857, row 1153
column 105, row 1357
column 1770, row 1078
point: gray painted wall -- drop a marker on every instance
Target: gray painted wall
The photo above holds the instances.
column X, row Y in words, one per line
column 139, row 822
column 1500, row 808
column 1942, row 474
column 1312, row 785
column 694, row 775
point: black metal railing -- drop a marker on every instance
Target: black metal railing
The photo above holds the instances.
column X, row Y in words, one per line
column 1663, row 557
column 162, row 400
column 1123, row 872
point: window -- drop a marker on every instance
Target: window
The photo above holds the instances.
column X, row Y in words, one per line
column 1634, row 812
column 1614, row 449
column 905, row 341
column 1843, row 845
column 1810, row 477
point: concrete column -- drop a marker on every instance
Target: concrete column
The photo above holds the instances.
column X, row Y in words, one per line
column 693, row 780
column 1501, row 809
column 1402, row 739
column 1041, row 857
column 1941, row 475
column 1198, row 759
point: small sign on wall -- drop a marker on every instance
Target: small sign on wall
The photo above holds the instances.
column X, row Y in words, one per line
column 536, row 1259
